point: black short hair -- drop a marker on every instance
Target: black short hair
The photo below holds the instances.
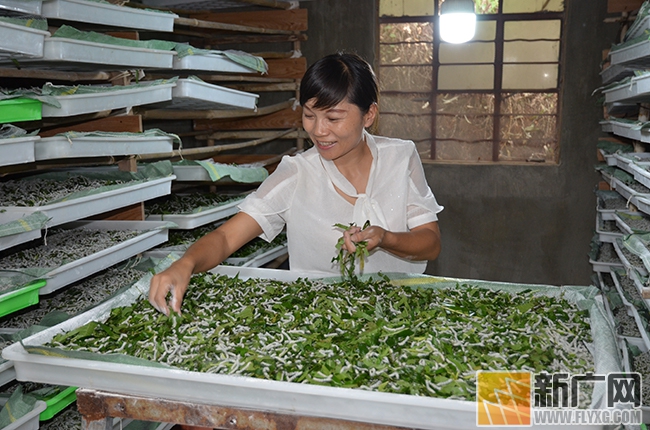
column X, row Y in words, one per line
column 336, row 77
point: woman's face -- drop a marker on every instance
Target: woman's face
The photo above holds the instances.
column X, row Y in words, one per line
column 337, row 131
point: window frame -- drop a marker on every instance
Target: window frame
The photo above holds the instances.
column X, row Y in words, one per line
column 497, row 91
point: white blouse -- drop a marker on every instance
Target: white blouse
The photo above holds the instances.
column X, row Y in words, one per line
column 301, row 195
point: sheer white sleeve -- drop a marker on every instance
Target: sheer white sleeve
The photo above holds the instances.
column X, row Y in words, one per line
column 422, row 205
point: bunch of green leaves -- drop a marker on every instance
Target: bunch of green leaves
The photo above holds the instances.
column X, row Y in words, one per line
column 354, row 334
column 346, row 259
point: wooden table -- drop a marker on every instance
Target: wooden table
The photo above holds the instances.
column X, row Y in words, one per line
column 98, row 408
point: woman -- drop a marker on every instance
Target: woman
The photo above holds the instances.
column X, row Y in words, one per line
column 349, row 176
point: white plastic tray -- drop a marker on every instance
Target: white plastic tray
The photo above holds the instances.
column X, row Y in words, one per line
column 638, row 28
column 628, row 193
column 55, row 147
column 18, row 150
column 91, row 264
column 83, row 207
column 77, row 104
column 625, row 130
column 7, row 372
column 17, row 41
column 82, row 54
column 265, row 257
column 108, row 14
column 30, row 7
column 606, row 126
column 209, row 62
column 615, row 72
column 629, row 267
column 16, row 239
column 640, row 287
column 189, row 94
column 623, row 161
column 194, row 220
column 602, row 267
column 632, row 311
column 635, row 91
column 29, row 421
column 606, row 236
column 622, row 225
column 641, row 173
column 637, row 55
column 237, row 391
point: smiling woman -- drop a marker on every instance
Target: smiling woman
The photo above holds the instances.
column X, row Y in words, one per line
column 349, row 177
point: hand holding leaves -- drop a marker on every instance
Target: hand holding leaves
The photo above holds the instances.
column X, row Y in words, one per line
column 346, row 259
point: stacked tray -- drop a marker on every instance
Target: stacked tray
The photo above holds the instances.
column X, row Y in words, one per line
column 626, row 129
column 209, row 62
column 637, row 55
column 635, row 91
column 72, row 54
column 191, row 94
column 197, row 219
column 29, row 7
column 94, row 204
column 19, row 41
column 55, row 147
column 17, row 150
column 616, row 72
column 77, row 104
column 152, row 233
column 29, row 421
column 607, row 234
column 108, row 14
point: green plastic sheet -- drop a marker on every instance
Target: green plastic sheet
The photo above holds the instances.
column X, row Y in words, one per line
column 239, row 173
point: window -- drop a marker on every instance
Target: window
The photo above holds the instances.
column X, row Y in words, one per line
column 495, row 98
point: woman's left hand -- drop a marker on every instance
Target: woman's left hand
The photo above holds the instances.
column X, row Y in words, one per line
column 372, row 235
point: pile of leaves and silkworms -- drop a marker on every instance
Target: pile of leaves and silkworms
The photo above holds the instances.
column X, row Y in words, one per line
column 641, row 364
column 77, row 298
column 37, row 192
column 187, row 203
column 259, row 245
column 356, row 334
column 63, row 246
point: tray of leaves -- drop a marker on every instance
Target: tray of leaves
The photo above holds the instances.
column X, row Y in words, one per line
column 23, row 417
column 603, row 256
column 608, row 203
column 248, row 254
column 632, row 223
column 364, row 350
column 77, row 197
column 17, row 150
column 189, row 211
column 79, row 249
column 630, row 260
column 637, row 359
column 607, row 231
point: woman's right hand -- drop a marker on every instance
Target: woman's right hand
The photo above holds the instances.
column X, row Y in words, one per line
column 174, row 280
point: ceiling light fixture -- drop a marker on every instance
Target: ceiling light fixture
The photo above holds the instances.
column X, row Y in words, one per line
column 457, row 21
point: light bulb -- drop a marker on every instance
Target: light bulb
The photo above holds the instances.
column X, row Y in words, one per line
column 457, row 21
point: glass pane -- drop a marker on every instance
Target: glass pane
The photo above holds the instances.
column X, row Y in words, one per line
column 529, row 103
column 486, row 6
column 467, row 103
column 459, row 151
column 408, row 32
column 529, row 30
column 531, row 6
column 471, row 52
column 416, row 104
column 464, row 127
column 418, row 7
column 485, row 30
column 405, row 126
column 405, row 78
column 529, row 76
column 391, row 8
column 466, row 77
column 406, row 53
column 524, row 127
column 529, row 150
column 531, row 52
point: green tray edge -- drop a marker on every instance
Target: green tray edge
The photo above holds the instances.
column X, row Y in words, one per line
column 57, row 403
column 21, row 298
